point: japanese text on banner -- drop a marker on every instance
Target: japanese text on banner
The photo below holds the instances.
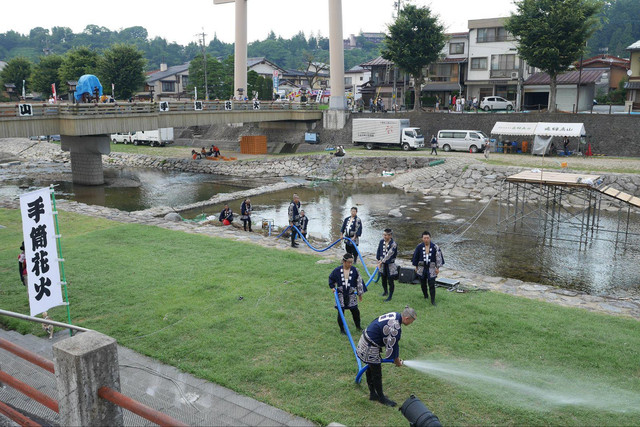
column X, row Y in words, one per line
column 40, row 249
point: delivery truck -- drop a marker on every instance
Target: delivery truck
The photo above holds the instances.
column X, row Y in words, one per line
column 156, row 138
column 374, row 133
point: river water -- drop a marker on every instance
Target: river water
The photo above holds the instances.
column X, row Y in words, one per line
column 597, row 268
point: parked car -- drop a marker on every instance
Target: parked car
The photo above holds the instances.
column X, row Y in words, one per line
column 39, row 138
column 463, row 140
column 55, row 137
column 495, row 103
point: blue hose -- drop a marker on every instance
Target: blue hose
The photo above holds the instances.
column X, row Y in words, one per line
column 364, row 368
column 346, row 328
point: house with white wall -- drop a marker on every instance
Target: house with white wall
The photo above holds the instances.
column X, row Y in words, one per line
column 354, row 78
column 633, row 85
column 168, row 82
column 494, row 66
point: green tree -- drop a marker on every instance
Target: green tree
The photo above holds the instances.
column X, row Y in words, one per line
column 219, row 77
column 77, row 62
column 17, row 70
column 415, row 40
column 552, row 34
column 122, row 65
column 47, row 72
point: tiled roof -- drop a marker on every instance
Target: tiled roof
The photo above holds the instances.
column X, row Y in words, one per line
column 605, row 60
column 570, row 78
column 378, row 61
column 171, row 71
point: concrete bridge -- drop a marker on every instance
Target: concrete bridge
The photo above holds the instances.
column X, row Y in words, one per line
column 84, row 129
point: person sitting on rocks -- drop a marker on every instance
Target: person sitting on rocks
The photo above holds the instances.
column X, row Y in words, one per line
column 216, row 151
column 195, row 155
column 226, row 216
column 339, row 151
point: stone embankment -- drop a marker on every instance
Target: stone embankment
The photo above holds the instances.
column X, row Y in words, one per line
column 474, row 179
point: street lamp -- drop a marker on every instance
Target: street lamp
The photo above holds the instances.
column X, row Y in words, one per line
column 72, row 90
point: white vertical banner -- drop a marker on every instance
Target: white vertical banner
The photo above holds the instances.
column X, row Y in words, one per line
column 43, row 270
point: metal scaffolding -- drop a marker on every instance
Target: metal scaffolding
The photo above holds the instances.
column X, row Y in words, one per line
column 561, row 206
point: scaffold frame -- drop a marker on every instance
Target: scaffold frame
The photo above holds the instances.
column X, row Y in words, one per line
column 562, row 206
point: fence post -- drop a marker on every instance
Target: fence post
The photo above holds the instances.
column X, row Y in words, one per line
column 83, row 364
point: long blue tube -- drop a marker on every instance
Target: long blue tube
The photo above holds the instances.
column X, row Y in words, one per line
column 364, row 368
column 346, row 328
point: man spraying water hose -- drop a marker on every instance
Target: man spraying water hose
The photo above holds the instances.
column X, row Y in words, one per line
column 383, row 334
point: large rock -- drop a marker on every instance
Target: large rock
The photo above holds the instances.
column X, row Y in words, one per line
column 173, row 216
column 395, row 213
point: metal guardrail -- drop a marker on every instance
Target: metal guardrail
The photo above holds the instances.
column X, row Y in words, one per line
column 106, row 393
column 46, row 110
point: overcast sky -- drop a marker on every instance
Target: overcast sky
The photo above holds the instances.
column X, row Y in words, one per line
column 179, row 21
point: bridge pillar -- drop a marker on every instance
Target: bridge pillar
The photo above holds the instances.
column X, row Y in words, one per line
column 240, row 54
column 86, row 157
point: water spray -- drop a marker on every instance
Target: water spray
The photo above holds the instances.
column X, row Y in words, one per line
column 530, row 389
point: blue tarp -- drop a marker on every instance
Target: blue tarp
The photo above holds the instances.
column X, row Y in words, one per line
column 87, row 84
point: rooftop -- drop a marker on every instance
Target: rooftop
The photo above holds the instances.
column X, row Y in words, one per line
column 569, row 78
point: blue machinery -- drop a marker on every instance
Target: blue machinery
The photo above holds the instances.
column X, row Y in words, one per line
column 372, row 276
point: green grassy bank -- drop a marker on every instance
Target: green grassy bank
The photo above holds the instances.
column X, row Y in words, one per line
column 261, row 321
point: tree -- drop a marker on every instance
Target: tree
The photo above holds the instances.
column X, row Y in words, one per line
column 77, row 62
column 219, row 77
column 17, row 70
column 312, row 68
column 122, row 65
column 46, row 73
column 415, row 40
column 552, row 34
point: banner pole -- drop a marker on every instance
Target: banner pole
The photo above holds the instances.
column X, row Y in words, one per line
column 60, row 258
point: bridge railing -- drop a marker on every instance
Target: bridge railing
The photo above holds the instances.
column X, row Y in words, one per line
column 46, row 110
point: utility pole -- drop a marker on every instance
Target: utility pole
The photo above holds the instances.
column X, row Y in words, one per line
column 204, row 64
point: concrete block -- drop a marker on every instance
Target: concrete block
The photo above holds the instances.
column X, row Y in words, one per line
column 83, row 364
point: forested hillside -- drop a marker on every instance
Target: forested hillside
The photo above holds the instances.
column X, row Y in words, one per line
column 288, row 53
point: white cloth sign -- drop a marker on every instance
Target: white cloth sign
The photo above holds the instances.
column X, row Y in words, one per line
column 40, row 247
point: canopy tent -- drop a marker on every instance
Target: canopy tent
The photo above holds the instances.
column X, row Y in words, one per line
column 543, row 132
column 87, row 84
column 575, row 130
column 514, row 128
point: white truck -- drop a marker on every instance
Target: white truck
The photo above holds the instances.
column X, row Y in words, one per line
column 374, row 133
column 155, row 138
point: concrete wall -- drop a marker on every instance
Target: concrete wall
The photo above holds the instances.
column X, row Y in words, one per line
column 613, row 135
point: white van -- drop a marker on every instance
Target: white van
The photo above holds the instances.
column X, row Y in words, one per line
column 463, row 140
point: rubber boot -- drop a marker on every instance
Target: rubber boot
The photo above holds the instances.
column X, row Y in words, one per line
column 373, row 395
column 381, row 397
column 391, row 289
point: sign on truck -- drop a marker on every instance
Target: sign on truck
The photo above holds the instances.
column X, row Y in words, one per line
column 374, row 133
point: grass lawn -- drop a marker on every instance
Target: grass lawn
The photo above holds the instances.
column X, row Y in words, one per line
column 177, row 297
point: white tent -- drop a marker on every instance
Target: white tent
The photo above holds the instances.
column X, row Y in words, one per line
column 514, row 128
column 543, row 132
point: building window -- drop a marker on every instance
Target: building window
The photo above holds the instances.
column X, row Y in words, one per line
column 185, row 81
column 347, row 80
column 168, row 86
column 456, row 48
column 496, row 34
column 442, row 72
column 503, row 65
column 478, row 63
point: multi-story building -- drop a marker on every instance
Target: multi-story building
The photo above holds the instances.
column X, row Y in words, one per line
column 633, row 85
column 381, row 84
column 168, row 82
column 447, row 76
column 354, row 78
column 494, row 65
